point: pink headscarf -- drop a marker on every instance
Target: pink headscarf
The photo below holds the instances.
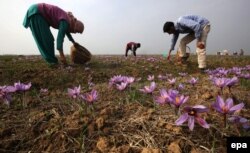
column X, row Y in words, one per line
column 76, row 26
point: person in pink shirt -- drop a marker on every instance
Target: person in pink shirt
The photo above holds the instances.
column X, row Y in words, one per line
column 40, row 17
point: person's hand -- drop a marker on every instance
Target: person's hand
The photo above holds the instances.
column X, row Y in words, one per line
column 201, row 45
column 62, row 58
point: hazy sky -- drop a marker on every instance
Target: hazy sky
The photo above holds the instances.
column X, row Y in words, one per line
column 110, row 24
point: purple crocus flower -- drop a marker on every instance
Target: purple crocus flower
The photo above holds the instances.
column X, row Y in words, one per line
column 223, row 72
column 172, row 81
column 121, row 81
column 121, row 86
column 191, row 114
column 115, row 79
column 246, row 76
column 75, row 92
column 5, row 93
column 178, row 100
column 166, row 96
column 183, row 74
column 90, row 97
column 193, row 81
column 181, row 86
column 220, row 82
column 162, row 99
column 226, row 107
column 129, row 80
column 240, row 121
column 231, row 82
column 21, row 86
column 8, row 89
column 151, row 77
column 149, row 89
column 161, row 77
column 171, row 95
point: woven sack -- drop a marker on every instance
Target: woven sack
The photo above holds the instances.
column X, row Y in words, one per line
column 79, row 54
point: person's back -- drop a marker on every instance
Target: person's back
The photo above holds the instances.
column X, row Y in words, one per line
column 133, row 47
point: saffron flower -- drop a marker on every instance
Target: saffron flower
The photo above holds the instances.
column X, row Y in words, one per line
column 149, row 89
column 116, row 79
column 192, row 114
column 183, row 74
column 193, row 81
column 161, row 77
column 5, row 93
column 151, row 77
column 181, row 86
column 171, row 94
column 121, row 82
column 231, row 82
column 238, row 120
column 226, row 107
column 178, row 100
column 222, row 72
column 75, row 92
column 220, row 82
column 172, row 81
column 90, row 97
column 166, row 96
column 121, row 86
column 129, row 80
column 21, row 86
column 162, row 99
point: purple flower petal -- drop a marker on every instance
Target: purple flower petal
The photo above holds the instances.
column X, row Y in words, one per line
column 10, row 89
column 183, row 118
column 191, row 122
column 200, row 109
column 236, row 108
column 202, row 122
column 160, row 100
column 229, row 103
column 219, row 104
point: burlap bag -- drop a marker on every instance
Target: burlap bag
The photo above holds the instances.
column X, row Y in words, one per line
column 79, row 54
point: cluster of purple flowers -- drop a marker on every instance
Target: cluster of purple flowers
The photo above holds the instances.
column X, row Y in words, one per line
column 121, row 82
column 90, row 97
column 191, row 114
column 224, row 82
column 164, row 77
column 148, row 89
column 5, row 91
column 240, row 72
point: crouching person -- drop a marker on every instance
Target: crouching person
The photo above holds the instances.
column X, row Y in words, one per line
column 40, row 17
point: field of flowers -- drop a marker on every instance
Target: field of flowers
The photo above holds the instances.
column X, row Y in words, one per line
column 121, row 105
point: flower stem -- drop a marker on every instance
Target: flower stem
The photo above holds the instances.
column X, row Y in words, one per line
column 225, row 120
column 177, row 110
